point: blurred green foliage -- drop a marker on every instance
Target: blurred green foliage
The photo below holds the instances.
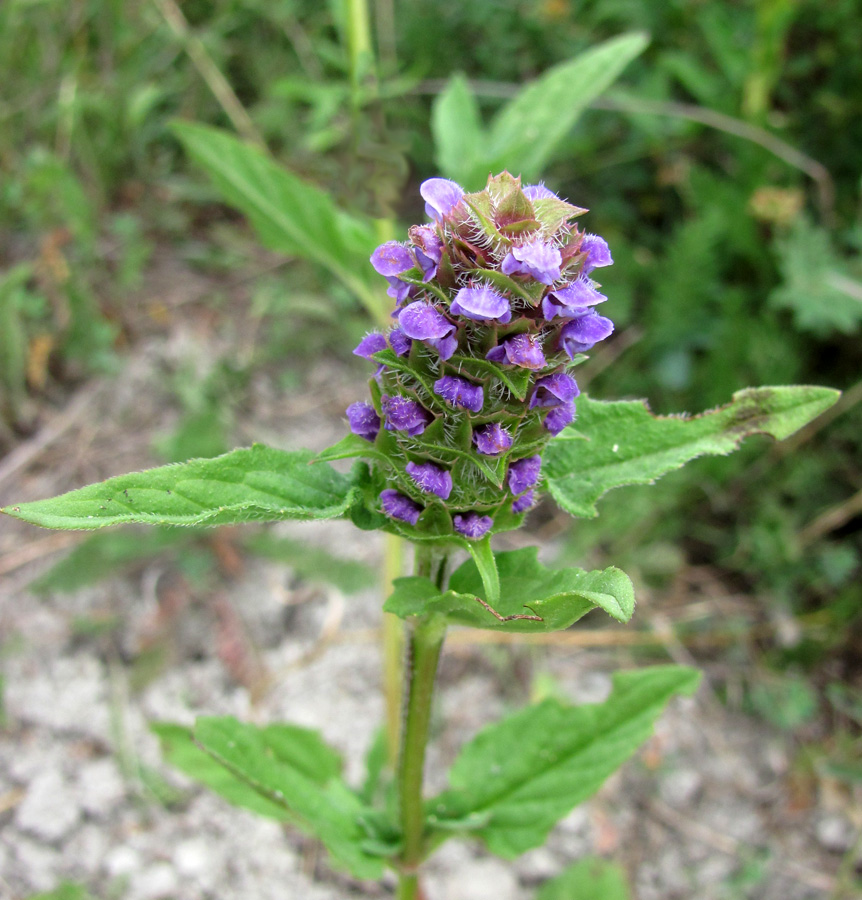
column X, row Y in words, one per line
column 723, row 168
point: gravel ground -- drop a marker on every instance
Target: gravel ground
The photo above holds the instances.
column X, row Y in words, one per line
column 706, row 810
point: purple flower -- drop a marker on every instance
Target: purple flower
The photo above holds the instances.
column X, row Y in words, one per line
column 390, row 260
column 428, row 249
column 571, row 299
column 404, row 414
column 398, row 506
column 492, row 440
column 523, row 503
column 560, row 416
column 441, row 197
column 554, row 390
column 522, row 350
column 370, row 344
column 472, row 525
column 539, row 192
column 399, row 342
column 423, row 322
column 431, row 478
column 482, row 304
column 537, row 259
column 598, row 253
column 583, row 332
column 363, row 420
column 524, row 473
column 460, row 393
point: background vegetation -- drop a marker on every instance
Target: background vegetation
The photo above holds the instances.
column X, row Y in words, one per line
column 723, row 168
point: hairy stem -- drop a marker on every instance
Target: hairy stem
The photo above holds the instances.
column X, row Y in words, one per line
column 425, row 640
column 393, row 650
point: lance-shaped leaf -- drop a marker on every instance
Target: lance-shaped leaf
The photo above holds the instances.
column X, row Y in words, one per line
column 591, row 878
column 626, row 444
column 293, row 769
column 290, row 215
column 541, row 599
column 517, row 778
column 458, row 134
column 259, row 483
column 525, row 134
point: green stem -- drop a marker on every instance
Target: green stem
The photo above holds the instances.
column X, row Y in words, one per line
column 393, row 650
column 425, row 641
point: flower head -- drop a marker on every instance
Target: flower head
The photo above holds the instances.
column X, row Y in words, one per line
column 494, row 297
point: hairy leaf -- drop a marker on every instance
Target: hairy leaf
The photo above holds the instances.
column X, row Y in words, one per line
column 458, row 134
column 294, row 769
column 558, row 596
column 259, row 483
column 590, row 878
column 517, row 778
column 525, row 133
column 626, row 444
column 290, row 215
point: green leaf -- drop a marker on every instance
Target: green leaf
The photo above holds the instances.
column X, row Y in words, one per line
column 525, row 133
column 483, row 559
column 590, row 878
column 67, row 890
column 823, row 290
column 626, row 444
column 289, row 214
column 559, row 596
column 312, row 563
column 528, row 771
column 180, row 750
column 296, row 771
column 259, row 483
column 458, row 134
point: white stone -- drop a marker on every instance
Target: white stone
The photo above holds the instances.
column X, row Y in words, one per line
column 49, row 809
column 156, row 882
column 679, row 788
column 835, row 833
column 35, row 864
column 100, row 787
column 122, row 861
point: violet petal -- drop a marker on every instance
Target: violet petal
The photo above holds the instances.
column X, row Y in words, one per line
column 392, row 258
column 431, row 478
column 422, row 321
column 404, row 414
column 560, row 416
column 524, row 473
column 554, row 390
column 398, row 506
column 370, row 344
column 523, row 503
column 492, row 440
column 363, row 420
column 583, row 332
column 539, row 192
column 598, row 253
column 522, row 350
column 460, row 393
column 399, row 342
column 482, row 304
column 441, row 196
column 571, row 299
column 472, row 525
column 537, row 259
